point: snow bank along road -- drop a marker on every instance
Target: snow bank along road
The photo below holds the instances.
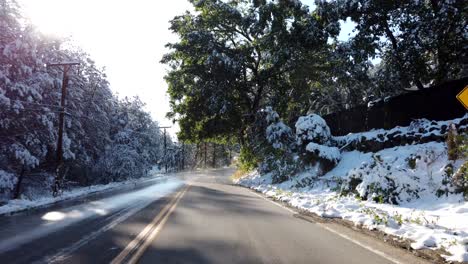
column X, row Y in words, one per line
column 198, row 217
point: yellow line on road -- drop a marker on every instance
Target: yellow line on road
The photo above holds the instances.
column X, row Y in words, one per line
column 144, row 239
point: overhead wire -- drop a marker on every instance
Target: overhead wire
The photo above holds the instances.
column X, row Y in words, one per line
column 81, row 116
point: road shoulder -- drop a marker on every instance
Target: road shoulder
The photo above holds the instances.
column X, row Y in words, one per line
column 391, row 247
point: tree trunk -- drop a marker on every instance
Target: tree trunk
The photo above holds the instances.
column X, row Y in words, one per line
column 205, row 156
column 17, row 191
column 419, row 84
column 196, row 160
column 398, row 58
column 214, row 155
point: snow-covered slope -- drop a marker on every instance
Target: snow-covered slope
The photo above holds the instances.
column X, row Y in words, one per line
column 403, row 191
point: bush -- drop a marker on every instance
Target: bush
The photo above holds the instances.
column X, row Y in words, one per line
column 247, row 159
column 457, row 145
column 7, row 183
column 312, row 128
column 457, row 148
column 313, row 138
column 280, row 158
column 281, row 165
column 331, row 154
column 460, row 179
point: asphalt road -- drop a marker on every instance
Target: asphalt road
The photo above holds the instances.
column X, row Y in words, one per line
column 197, row 218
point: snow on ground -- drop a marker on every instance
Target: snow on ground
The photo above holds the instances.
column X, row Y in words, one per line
column 325, row 152
column 414, row 173
column 130, row 202
column 423, row 127
column 23, row 204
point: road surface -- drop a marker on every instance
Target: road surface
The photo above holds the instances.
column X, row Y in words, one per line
column 196, row 217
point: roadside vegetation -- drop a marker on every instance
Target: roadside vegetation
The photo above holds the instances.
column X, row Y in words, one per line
column 235, row 58
column 412, row 191
column 263, row 73
column 106, row 138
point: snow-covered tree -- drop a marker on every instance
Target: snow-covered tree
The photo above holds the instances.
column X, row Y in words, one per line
column 279, row 156
column 237, row 57
column 105, row 138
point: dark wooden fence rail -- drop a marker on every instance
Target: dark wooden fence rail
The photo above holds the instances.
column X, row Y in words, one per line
column 434, row 103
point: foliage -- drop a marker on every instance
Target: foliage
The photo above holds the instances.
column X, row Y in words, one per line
column 234, row 58
column 419, row 42
column 452, row 148
column 237, row 57
column 111, row 138
column 460, row 179
column 280, row 158
column 458, row 149
column 247, row 159
column 312, row 128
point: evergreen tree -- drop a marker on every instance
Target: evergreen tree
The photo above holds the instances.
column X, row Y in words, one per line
column 234, row 58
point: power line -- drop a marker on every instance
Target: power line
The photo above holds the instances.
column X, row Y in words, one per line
column 38, row 104
column 22, row 134
column 40, row 109
column 88, row 118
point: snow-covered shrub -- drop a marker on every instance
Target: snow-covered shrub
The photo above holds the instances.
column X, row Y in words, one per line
column 331, row 154
column 7, row 183
column 278, row 134
column 459, row 149
column 7, row 180
column 312, row 128
column 280, row 167
column 278, row 157
column 313, row 137
column 460, row 179
column 390, row 176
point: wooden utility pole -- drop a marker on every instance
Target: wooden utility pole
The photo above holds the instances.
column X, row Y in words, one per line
column 66, row 67
column 165, row 147
column 165, row 151
column 183, row 156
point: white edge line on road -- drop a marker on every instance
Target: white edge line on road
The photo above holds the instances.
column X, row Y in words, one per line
column 375, row 251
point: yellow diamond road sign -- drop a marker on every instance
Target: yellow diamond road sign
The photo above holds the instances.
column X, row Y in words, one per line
column 463, row 97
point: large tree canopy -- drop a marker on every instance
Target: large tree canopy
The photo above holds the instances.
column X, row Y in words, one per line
column 419, row 42
column 235, row 57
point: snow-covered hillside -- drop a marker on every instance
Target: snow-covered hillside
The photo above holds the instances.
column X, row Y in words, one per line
column 404, row 190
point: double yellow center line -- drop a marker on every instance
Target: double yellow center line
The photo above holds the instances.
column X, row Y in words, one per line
column 135, row 249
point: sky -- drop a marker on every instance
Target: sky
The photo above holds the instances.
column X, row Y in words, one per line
column 126, row 37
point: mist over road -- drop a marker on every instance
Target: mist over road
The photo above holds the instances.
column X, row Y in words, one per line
column 193, row 217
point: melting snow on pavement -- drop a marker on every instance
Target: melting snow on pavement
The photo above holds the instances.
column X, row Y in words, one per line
column 52, row 221
column 17, row 205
